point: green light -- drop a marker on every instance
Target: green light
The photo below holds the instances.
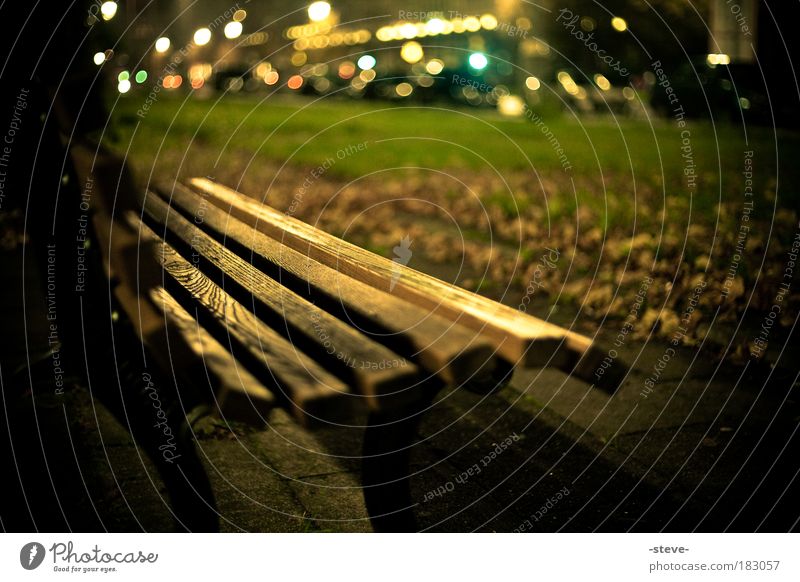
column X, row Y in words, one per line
column 141, row 76
column 123, row 76
column 478, row 61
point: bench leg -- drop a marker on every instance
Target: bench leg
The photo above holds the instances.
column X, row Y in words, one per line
column 385, row 470
column 188, row 487
column 185, row 479
column 192, row 501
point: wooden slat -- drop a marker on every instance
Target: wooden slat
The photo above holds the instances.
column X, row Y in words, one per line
column 333, row 343
column 237, row 393
column 442, row 347
column 517, row 336
column 310, row 391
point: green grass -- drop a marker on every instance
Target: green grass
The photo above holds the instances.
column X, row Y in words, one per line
column 306, row 133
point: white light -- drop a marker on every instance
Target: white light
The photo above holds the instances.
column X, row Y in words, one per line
column 162, row 44
column 124, row 86
column 319, row 11
column 233, row 29
column 202, row 36
column 478, row 61
column 108, row 10
column 366, row 62
column 434, row 26
column 408, row 30
column 99, row 58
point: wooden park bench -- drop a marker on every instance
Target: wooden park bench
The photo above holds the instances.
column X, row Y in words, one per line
column 225, row 291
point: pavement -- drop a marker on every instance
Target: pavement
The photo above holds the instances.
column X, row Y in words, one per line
column 709, row 447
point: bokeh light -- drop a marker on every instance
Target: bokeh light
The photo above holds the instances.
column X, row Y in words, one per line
column 478, row 61
column 488, row 21
column 162, row 44
column 404, row 89
column 299, row 59
column 109, row 10
column 435, row 66
column 619, row 24
column 202, row 36
column 347, row 70
column 366, row 62
column 411, row 52
column 233, row 29
column 319, row 11
column 511, row 106
column 434, row 26
column 602, row 82
column 533, row 83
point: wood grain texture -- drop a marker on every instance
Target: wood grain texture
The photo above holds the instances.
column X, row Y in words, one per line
column 519, row 337
column 453, row 352
column 311, row 393
column 238, row 395
column 331, row 342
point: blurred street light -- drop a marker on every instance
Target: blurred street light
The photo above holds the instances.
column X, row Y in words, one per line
column 511, row 106
column 366, row 62
column 619, row 24
column 108, row 10
column 233, row 29
column 162, row 44
column 202, row 36
column 319, row 11
column 478, row 61
column 411, row 52
column 434, row 66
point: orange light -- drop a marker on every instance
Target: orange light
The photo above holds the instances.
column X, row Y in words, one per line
column 198, row 82
column 295, row 82
column 167, row 82
column 271, row 78
column 347, row 70
column 176, row 81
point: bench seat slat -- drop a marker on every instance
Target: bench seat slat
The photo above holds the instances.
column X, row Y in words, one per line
column 330, row 341
column 310, row 391
column 441, row 346
column 238, row 394
column 513, row 333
